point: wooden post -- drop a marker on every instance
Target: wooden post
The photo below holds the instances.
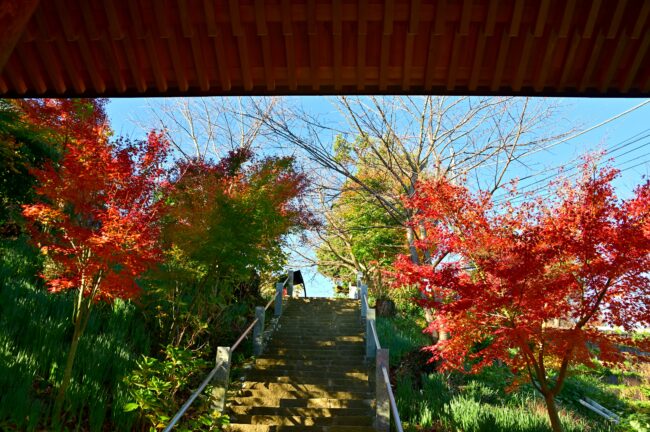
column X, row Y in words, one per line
column 278, row 298
column 221, row 379
column 258, row 331
column 371, row 347
column 353, row 291
column 382, row 421
column 290, row 284
column 364, row 294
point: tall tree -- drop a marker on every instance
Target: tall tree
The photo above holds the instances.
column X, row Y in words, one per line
column 96, row 217
column 227, row 226
column 408, row 139
column 529, row 285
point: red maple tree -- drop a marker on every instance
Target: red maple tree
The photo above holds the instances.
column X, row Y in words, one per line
column 528, row 286
column 97, row 217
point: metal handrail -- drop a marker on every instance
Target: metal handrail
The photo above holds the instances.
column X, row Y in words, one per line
column 213, row 372
column 374, row 335
column 391, row 397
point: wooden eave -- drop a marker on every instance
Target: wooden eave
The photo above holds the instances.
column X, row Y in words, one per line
column 105, row 48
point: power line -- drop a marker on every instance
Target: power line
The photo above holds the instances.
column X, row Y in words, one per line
column 589, row 129
column 523, row 196
column 575, row 165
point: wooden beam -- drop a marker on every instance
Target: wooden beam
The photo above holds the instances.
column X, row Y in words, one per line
column 362, row 30
column 184, row 16
column 591, row 19
column 289, row 44
column 522, row 70
column 567, row 18
column 431, row 61
column 385, row 43
column 13, row 20
column 114, row 25
column 547, row 62
column 640, row 25
column 240, row 35
column 15, row 75
column 92, row 29
column 70, row 27
column 465, row 18
column 414, row 20
column 219, row 50
column 113, row 64
column 312, row 34
column 614, row 62
column 88, row 58
column 137, row 24
column 569, row 59
column 453, row 62
column 515, row 21
column 337, row 42
column 199, row 64
column 263, row 35
column 501, row 61
column 542, row 15
column 593, row 60
column 177, row 63
column 636, row 63
column 71, row 70
column 154, row 62
column 615, row 22
column 31, row 66
column 477, row 64
column 53, row 68
column 491, row 17
column 134, row 63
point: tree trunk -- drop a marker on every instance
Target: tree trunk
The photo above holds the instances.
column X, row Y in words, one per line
column 410, row 237
column 552, row 413
column 79, row 327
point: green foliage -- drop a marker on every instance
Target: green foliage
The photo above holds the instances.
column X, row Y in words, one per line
column 21, row 148
column 34, row 325
column 159, row 387
column 401, row 335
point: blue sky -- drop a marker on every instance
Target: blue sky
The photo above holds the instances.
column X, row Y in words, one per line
column 579, row 113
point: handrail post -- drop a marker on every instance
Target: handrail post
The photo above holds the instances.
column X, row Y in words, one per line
column 371, row 347
column 290, row 284
column 278, row 298
column 364, row 300
column 258, row 330
column 221, row 379
column 382, row 420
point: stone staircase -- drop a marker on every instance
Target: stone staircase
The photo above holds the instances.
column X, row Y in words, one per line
column 312, row 375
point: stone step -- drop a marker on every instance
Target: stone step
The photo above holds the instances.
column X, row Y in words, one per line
column 274, row 392
column 330, row 362
column 241, row 410
column 267, row 428
column 315, row 351
column 317, row 338
column 309, row 378
column 313, row 385
column 301, row 403
column 283, row 375
column 272, row 365
column 363, row 420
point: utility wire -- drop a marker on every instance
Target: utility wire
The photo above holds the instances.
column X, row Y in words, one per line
column 523, row 196
column 589, row 129
column 573, row 165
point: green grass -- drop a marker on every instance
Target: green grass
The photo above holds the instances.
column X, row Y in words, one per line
column 35, row 335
